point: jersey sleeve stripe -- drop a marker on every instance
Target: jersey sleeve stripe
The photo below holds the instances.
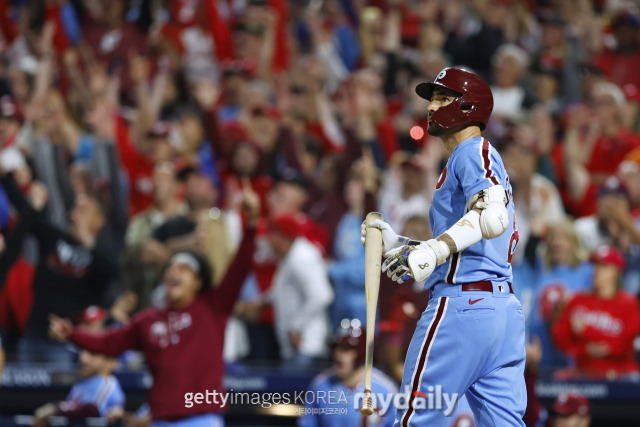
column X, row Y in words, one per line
column 486, row 162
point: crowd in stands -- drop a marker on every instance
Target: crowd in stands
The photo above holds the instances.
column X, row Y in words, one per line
column 133, row 130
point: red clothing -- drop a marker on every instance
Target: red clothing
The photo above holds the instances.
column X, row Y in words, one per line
column 113, row 46
column 406, row 307
column 7, row 26
column 60, row 40
column 183, row 348
column 16, row 298
column 139, row 170
column 578, row 208
column 614, row 322
column 609, row 152
column 619, row 69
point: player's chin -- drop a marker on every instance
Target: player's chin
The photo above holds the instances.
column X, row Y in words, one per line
column 174, row 291
column 435, row 130
column 85, row 372
column 341, row 369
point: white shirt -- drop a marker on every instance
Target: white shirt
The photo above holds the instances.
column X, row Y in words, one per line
column 395, row 208
column 301, row 294
column 507, row 101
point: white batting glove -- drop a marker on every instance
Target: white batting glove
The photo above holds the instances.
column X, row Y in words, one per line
column 418, row 261
column 390, row 240
column 422, row 262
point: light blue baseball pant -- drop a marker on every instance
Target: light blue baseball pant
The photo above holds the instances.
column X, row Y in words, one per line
column 471, row 343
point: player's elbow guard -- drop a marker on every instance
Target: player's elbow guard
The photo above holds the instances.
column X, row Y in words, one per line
column 492, row 205
column 494, row 220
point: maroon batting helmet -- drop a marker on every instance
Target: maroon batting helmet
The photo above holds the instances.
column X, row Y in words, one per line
column 351, row 334
column 473, row 103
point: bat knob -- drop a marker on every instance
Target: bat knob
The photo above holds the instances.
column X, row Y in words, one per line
column 367, row 404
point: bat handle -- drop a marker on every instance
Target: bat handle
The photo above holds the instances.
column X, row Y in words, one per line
column 367, row 403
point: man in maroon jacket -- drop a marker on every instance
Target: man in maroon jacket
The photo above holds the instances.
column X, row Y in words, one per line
column 183, row 341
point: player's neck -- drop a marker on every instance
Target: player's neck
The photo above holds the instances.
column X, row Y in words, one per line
column 452, row 140
column 182, row 302
column 353, row 380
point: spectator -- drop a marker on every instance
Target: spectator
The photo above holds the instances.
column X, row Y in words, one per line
column 179, row 233
column 98, row 394
column 509, row 65
column 111, row 38
column 560, row 272
column 346, row 271
column 615, row 225
column 474, row 45
column 597, row 328
column 545, row 87
column 595, row 144
column 571, row 409
column 559, row 48
column 182, row 341
column 11, row 119
column 300, row 294
column 617, row 59
column 140, row 277
column 345, row 377
column 538, row 204
column 75, row 267
column 403, row 191
column 629, row 175
column 15, row 270
column 286, row 197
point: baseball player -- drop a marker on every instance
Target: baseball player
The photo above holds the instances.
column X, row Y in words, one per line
column 98, row 394
column 183, row 341
column 334, row 390
column 470, row 339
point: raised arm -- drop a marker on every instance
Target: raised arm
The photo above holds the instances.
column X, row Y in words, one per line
column 110, row 343
column 226, row 294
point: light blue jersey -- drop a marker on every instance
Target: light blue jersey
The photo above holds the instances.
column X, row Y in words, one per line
column 473, row 166
column 335, row 405
column 102, row 392
column 468, row 341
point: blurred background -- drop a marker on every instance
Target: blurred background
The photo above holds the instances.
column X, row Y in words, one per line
column 135, row 126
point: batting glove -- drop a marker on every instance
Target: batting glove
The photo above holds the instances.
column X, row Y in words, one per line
column 418, row 262
column 397, row 265
column 390, row 240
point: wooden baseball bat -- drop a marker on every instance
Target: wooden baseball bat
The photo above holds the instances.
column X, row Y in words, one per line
column 372, row 270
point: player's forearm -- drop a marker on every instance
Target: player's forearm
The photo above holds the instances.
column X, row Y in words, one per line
column 112, row 343
column 228, row 292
